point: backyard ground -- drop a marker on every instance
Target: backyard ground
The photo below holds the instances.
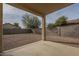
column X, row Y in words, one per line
column 16, row 40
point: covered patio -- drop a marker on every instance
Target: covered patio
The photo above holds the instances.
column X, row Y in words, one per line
column 41, row 9
column 42, row 47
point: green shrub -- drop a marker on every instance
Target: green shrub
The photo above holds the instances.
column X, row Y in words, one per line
column 61, row 21
column 51, row 26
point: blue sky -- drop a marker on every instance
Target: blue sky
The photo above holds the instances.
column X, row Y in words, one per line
column 72, row 12
column 12, row 14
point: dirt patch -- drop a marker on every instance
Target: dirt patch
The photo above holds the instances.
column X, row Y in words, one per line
column 16, row 40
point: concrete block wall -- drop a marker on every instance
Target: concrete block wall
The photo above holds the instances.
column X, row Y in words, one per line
column 70, row 31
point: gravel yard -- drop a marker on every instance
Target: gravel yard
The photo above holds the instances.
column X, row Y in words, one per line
column 16, row 40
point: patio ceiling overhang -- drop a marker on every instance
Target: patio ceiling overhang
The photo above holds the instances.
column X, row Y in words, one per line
column 40, row 9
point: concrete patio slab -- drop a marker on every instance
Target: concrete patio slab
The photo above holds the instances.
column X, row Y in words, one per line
column 43, row 48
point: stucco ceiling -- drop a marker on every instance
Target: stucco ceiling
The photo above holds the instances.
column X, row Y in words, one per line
column 40, row 8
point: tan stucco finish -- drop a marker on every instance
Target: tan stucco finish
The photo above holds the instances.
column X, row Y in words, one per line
column 41, row 9
column 0, row 27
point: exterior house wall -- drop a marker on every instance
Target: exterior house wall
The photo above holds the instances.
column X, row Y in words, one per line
column 0, row 28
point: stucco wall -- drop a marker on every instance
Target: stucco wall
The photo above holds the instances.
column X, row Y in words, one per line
column 0, row 27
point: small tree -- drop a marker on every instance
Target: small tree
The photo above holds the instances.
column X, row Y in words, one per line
column 31, row 22
column 61, row 21
column 51, row 26
column 16, row 24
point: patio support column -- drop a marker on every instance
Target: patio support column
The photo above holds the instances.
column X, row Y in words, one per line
column 43, row 28
column 0, row 28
